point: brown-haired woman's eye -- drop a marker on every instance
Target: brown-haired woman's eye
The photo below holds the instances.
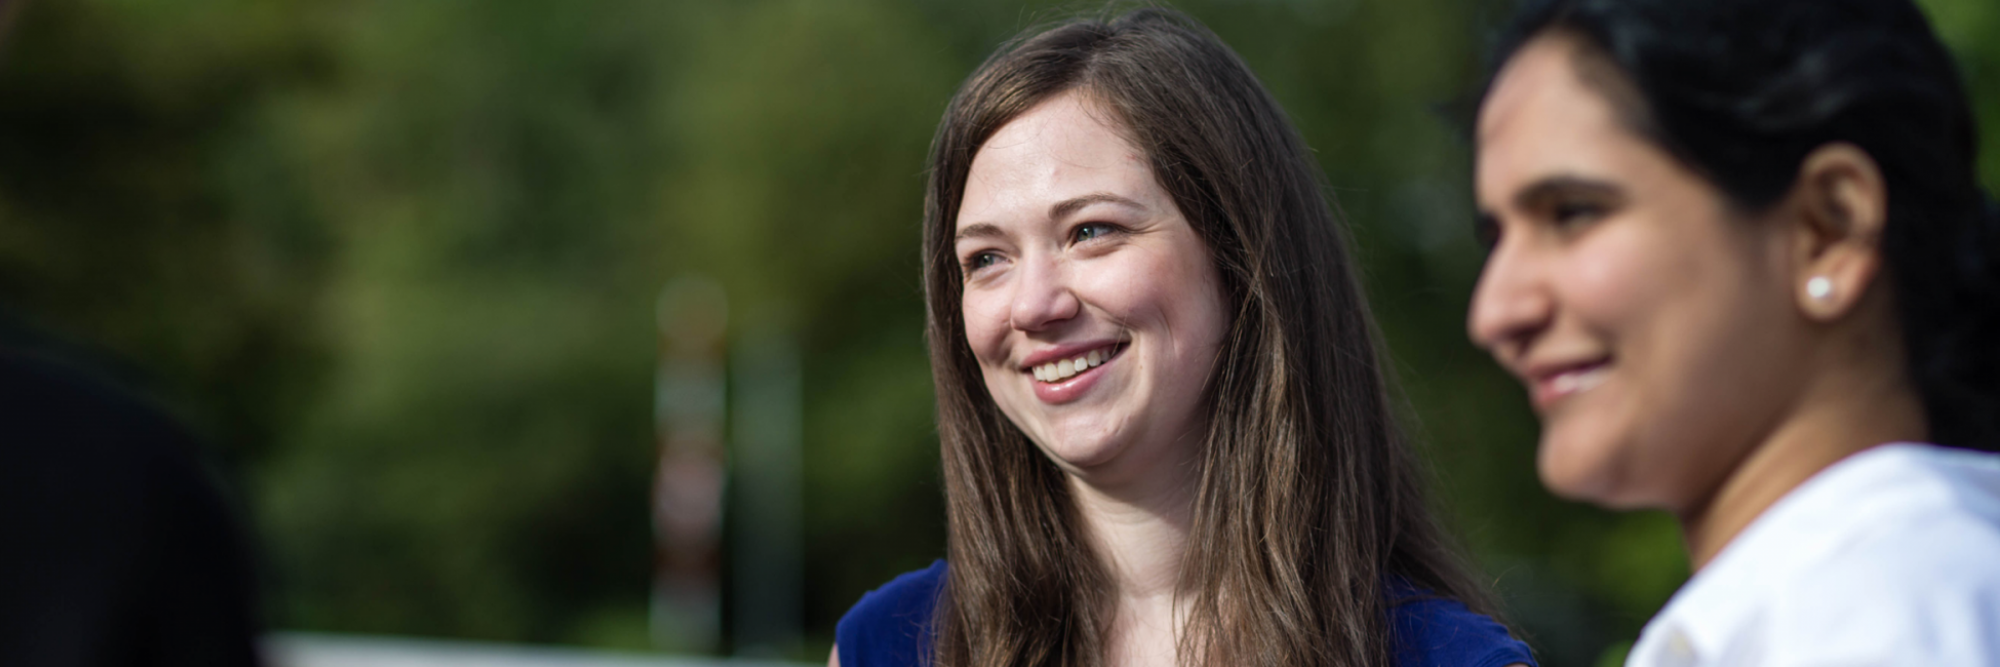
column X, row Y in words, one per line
column 1091, row 230
column 980, row 261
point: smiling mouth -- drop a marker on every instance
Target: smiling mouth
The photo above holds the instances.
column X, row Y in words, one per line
column 1571, row 381
column 1058, row 371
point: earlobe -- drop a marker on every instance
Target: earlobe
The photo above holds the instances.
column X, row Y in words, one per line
column 1844, row 207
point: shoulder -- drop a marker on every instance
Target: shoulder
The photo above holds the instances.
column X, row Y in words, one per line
column 1891, row 562
column 1434, row 630
column 121, row 521
column 891, row 625
column 1929, row 589
column 1934, row 545
column 86, row 451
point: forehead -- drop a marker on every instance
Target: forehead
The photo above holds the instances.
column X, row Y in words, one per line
column 1063, row 148
column 1541, row 119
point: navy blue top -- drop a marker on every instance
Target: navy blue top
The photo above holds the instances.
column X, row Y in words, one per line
column 890, row 627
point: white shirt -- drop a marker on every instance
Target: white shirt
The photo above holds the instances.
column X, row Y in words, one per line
column 1888, row 557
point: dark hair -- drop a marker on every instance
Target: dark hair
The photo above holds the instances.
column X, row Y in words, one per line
column 1310, row 502
column 1742, row 91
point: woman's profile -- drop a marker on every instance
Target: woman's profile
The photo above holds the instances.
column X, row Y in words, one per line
column 1741, row 260
column 1166, row 432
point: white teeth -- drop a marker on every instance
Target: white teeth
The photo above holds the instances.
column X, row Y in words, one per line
column 1066, row 368
column 1569, row 383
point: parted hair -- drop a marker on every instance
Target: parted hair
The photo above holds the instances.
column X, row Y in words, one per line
column 1311, row 508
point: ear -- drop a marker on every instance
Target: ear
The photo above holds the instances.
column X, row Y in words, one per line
column 1843, row 205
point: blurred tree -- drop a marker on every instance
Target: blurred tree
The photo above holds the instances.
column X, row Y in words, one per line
column 146, row 209
column 478, row 463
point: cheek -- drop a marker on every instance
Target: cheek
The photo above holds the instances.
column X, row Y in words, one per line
column 1668, row 303
column 1119, row 286
column 985, row 313
column 1615, row 281
column 1170, row 292
column 1185, row 295
column 1203, row 315
column 1683, row 317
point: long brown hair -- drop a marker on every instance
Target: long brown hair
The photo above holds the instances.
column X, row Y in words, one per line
column 1310, row 501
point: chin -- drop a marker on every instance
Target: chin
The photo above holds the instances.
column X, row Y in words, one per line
column 1581, row 466
column 1078, row 446
column 1082, row 453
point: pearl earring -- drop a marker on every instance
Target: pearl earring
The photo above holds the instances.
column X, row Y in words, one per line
column 1819, row 288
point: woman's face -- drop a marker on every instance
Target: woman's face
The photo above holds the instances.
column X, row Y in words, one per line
column 1090, row 302
column 1653, row 327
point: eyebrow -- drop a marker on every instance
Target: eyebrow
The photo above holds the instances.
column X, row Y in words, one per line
column 1541, row 192
column 1058, row 211
column 1067, row 207
column 980, row 230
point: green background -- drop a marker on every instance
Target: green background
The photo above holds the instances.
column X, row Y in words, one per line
column 396, row 260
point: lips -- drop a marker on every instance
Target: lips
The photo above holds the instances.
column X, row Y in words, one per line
column 1074, row 363
column 1064, row 374
column 1553, row 383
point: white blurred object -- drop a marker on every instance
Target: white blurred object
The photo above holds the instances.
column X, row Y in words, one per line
column 297, row 649
column 1885, row 558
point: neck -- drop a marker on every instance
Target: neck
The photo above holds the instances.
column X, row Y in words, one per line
column 1140, row 530
column 1844, row 415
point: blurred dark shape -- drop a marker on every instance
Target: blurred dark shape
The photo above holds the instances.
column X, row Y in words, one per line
column 118, row 546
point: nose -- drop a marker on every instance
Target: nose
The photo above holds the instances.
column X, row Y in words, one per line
column 1042, row 295
column 1511, row 304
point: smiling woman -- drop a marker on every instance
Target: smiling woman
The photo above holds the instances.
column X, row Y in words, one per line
column 1742, row 264
column 1164, row 420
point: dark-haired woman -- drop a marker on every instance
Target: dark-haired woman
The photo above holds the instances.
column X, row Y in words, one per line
column 1741, row 261
column 1165, row 434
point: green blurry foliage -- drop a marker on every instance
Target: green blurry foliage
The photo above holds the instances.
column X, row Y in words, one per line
column 398, row 261
column 144, row 206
